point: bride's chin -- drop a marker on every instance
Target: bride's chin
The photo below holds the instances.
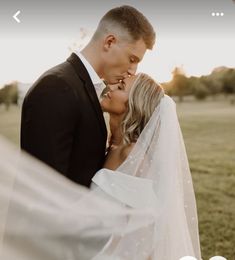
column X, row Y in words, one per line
column 104, row 106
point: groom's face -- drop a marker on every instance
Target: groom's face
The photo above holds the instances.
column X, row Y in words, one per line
column 121, row 58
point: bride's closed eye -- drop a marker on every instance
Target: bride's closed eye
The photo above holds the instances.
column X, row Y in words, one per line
column 121, row 86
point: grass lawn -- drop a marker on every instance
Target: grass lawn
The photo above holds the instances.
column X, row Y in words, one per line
column 209, row 132
column 10, row 123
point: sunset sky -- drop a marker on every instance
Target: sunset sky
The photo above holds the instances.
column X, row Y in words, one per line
column 188, row 35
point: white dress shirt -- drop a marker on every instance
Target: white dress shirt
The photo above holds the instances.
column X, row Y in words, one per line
column 96, row 80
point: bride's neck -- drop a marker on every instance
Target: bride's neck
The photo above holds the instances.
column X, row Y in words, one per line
column 116, row 131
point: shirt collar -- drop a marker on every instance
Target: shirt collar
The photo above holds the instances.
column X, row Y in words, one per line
column 92, row 73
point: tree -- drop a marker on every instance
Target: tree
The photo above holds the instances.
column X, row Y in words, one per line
column 213, row 85
column 201, row 91
column 9, row 94
column 179, row 84
column 229, row 81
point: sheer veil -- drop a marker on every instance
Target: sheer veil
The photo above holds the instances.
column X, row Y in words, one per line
column 159, row 158
column 165, row 162
column 45, row 216
column 144, row 210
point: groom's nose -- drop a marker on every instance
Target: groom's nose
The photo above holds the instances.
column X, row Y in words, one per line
column 133, row 68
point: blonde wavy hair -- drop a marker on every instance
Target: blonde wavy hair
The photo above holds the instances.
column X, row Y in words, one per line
column 144, row 97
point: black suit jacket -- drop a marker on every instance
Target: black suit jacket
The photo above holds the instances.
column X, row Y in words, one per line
column 62, row 122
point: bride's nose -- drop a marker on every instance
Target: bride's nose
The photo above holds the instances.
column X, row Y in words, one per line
column 112, row 87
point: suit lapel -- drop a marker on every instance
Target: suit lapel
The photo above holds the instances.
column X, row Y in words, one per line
column 90, row 89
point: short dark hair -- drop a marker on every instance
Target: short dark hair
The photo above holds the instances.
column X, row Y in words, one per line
column 131, row 20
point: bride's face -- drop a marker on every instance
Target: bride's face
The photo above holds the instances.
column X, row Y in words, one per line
column 116, row 99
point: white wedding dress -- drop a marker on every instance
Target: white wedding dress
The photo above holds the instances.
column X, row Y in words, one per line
column 144, row 210
column 156, row 176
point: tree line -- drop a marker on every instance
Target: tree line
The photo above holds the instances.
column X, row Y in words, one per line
column 220, row 81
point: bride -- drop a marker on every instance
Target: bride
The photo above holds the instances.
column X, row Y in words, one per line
column 141, row 205
column 146, row 166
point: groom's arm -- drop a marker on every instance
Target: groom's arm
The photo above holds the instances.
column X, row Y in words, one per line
column 49, row 118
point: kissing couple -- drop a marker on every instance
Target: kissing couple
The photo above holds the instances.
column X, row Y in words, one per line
column 141, row 202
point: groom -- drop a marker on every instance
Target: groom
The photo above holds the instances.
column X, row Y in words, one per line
column 62, row 122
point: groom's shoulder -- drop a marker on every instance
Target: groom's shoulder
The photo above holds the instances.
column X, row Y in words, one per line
column 60, row 77
column 71, row 72
column 62, row 73
column 71, row 69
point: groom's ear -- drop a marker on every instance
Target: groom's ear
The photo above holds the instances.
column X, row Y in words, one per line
column 109, row 41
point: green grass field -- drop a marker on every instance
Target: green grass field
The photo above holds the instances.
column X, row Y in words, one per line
column 209, row 132
column 10, row 123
